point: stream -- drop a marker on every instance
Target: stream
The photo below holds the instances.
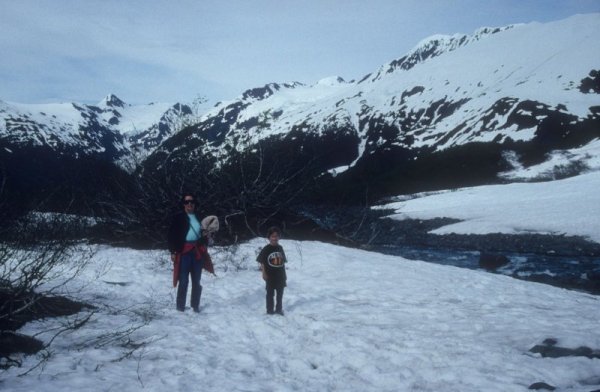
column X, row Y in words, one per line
column 572, row 272
column 562, row 261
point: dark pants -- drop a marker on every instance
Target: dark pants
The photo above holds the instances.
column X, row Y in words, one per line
column 189, row 266
column 271, row 290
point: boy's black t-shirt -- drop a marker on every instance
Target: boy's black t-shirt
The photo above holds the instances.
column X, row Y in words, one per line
column 273, row 259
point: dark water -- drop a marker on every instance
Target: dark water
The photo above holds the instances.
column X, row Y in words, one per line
column 568, row 262
column 573, row 272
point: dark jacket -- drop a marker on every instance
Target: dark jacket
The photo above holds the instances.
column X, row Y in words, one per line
column 178, row 231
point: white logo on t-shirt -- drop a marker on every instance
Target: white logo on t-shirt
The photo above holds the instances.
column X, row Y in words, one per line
column 275, row 259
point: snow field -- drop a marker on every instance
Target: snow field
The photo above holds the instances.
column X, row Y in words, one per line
column 563, row 207
column 355, row 321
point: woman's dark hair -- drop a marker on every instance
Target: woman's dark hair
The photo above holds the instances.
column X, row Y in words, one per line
column 185, row 195
column 273, row 229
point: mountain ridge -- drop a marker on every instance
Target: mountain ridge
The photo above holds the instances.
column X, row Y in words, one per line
column 447, row 113
column 111, row 130
column 440, row 102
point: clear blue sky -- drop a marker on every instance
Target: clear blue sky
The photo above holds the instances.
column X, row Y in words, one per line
column 175, row 50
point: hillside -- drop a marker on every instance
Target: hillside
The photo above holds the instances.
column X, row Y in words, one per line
column 111, row 131
column 456, row 111
column 446, row 114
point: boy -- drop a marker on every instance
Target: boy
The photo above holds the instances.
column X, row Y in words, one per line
column 272, row 264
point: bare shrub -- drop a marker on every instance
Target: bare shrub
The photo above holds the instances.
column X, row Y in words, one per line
column 37, row 262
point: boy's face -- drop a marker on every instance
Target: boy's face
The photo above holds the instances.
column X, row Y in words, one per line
column 274, row 238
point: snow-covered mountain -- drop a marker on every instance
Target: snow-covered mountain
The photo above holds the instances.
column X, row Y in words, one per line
column 111, row 130
column 527, row 89
column 456, row 110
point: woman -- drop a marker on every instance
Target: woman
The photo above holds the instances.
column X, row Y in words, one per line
column 188, row 252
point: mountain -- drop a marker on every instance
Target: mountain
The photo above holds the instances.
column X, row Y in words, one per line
column 63, row 156
column 67, row 129
column 110, row 131
column 456, row 110
column 448, row 113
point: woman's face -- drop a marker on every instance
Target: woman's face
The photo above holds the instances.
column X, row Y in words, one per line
column 189, row 204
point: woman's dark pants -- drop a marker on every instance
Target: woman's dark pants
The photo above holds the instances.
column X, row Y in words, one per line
column 189, row 267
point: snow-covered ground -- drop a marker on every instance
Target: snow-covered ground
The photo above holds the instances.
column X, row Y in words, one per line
column 570, row 206
column 355, row 321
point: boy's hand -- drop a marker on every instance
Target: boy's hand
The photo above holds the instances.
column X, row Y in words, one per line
column 264, row 275
column 173, row 256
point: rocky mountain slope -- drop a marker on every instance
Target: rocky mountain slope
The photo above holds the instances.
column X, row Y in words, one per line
column 453, row 106
column 71, row 156
column 110, row 131
column 456, row 110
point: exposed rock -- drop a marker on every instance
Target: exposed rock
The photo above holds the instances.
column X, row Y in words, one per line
column 549, row 349
column 550, row 342
column 541, row 385
column 113, row 101
column 492, row 262
column 42, row 307
column 12, row 342
column 591, row 84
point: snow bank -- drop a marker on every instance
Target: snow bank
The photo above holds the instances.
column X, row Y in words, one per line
column 355, row 321
column 568, row 206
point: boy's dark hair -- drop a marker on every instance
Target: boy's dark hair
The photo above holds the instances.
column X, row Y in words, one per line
column 273, row 229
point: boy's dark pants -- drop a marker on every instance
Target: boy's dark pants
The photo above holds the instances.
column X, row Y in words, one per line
column 271, row 290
